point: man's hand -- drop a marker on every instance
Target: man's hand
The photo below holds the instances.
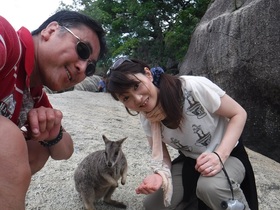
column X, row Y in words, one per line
column 43, row 123
column 150, row 184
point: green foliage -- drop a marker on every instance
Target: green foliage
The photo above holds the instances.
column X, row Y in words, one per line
column 156, row 31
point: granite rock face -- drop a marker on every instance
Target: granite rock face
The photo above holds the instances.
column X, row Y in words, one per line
column 237, row 46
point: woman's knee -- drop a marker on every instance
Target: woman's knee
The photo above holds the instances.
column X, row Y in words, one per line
column 154, row 201
column 205, row 186
column 213, row 190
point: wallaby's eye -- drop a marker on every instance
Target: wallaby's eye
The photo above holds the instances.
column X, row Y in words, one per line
column 116, row 154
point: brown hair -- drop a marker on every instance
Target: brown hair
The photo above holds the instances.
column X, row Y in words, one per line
column 171, row 97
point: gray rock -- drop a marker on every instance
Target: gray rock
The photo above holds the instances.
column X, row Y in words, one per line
column 237, row 46
column 89, row 84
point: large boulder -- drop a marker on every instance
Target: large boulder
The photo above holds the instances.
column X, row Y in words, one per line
column 237, row 46
column 89, row 84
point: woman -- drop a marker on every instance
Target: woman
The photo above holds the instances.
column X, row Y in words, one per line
column 196, row 117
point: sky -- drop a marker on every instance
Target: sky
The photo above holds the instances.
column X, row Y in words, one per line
column 29, row 13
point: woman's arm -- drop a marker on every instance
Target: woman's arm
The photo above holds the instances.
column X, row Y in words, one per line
column 237, row 118
column 208, row 164
column 154, row 181
column 166, row 156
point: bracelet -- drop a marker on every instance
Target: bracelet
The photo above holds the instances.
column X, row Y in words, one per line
column 54, row 141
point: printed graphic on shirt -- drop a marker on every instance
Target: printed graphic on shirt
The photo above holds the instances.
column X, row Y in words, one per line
column 203, row 139
column 7, row 106
column 200, row 137
column 195, row 107
column 179, row 146
column 27, row 104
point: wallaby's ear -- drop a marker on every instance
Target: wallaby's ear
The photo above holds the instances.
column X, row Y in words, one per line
column 122, row 140
column 105, row 139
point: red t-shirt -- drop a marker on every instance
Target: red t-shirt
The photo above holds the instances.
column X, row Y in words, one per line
column 16, row 66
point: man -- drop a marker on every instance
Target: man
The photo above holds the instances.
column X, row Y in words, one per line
column 59, row 54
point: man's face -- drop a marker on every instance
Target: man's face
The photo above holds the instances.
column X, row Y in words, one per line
column 59, row 64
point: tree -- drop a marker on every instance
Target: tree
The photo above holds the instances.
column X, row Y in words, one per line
column 156, row 31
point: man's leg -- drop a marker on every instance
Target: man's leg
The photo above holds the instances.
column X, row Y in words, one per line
column 15, row 173
column 38, row 156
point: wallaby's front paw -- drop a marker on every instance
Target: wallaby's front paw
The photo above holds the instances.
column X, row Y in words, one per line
column 115, row 184
column 123, row 181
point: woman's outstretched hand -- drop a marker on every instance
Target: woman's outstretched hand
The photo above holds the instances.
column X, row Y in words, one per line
column 150, row 184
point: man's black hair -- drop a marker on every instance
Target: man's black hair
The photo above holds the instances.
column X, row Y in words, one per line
column 72, row 19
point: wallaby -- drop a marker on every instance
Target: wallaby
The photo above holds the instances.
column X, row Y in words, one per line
column 97, row 175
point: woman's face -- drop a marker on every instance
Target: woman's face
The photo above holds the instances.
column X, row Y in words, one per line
column 143, row 96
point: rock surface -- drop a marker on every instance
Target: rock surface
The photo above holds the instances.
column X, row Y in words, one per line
column 87, row 116
column 88, row 84
column 237, row 46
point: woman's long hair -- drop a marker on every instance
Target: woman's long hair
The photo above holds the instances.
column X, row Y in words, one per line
column 171, row 96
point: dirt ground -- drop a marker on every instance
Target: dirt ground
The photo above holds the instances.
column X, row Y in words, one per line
column 87, row 116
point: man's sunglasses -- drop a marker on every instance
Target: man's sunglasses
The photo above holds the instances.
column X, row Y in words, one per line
column 119, row 62
column 83, row 51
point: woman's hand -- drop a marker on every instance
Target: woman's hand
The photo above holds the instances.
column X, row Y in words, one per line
column 208, row 164
column 150, row 184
